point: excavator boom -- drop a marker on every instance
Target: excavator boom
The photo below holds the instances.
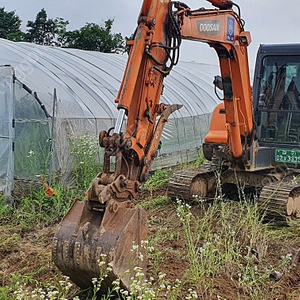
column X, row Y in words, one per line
column 107, row 224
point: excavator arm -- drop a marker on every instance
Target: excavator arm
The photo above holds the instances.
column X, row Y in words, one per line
column 107, row 223
column 151, row 58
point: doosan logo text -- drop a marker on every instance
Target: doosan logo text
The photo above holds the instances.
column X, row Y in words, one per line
column 209, row 27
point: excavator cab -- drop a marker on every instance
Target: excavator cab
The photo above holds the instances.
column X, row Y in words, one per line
column 254, row 136
column 276, row 99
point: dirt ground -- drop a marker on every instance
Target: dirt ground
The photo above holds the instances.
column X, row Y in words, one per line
column 30, row 253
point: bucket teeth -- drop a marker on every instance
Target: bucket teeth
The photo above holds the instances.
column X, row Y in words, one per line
column 88, row 239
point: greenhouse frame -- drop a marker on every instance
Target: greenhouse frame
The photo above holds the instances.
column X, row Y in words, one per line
column 51, row 96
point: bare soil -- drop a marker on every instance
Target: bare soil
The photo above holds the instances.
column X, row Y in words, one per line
column 28, row 255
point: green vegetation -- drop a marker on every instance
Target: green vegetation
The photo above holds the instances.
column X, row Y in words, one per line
column 221, row 243
column 216, row 251
column 46, row 31
column 25, row 233
column 37, row 209
column 10, row 24
column 158, row 202
column 95, row 37
column 53, row 32
column 84, row 152
column 159, row 179
column 32, row 150
column 200, row 160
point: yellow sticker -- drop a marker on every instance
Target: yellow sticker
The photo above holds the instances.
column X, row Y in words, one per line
column 162, row 2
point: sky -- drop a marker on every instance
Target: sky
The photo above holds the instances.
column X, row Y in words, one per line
column 269, row 21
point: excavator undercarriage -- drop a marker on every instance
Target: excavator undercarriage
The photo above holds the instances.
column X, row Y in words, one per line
column 277, row 194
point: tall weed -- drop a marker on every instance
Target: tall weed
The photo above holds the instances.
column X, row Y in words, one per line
column 85, row 151
column 226, row 239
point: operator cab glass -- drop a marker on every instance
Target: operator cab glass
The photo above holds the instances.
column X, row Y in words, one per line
column 278, row 114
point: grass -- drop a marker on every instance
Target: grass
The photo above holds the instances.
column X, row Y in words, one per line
column 220, row 251
column 159, row 179
column 221, row 243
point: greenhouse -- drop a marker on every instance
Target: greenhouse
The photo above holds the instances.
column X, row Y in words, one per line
column 52, row 96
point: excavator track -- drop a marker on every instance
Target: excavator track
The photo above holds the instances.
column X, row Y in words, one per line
column 280, row 201
column 186, row 184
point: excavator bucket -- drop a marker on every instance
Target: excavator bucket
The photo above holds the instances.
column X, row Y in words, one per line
column 92, row 236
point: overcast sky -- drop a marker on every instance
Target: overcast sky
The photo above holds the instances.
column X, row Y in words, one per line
column 269, row 21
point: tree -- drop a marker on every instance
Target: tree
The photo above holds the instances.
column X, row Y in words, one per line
column 52, row 32
column 95, row 37
column 46, row 31
column 60, row 31
column 10, row 24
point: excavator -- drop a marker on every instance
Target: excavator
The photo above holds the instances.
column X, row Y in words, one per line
column 253, row 138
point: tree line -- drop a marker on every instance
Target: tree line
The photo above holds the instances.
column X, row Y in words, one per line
column 53, row 32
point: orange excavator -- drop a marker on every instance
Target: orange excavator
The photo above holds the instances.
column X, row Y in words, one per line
column 245, row 139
